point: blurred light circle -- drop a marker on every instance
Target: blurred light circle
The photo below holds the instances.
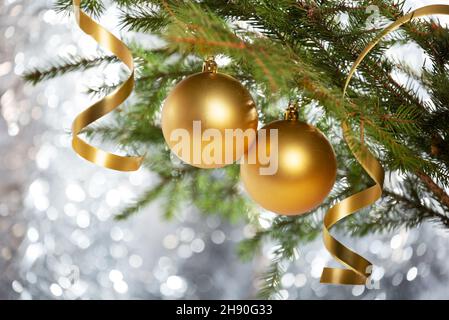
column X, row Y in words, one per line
column 170, row 241
column 135, row 261
column 412, row 273
column 56, row 290
column 197, row 245
column 218, row 237
column 115, row 276
column 300, row 280
column 121, row 287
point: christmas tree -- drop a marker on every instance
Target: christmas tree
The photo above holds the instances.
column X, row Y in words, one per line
column 282, row 51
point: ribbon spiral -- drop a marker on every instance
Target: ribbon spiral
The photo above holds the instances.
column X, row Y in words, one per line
column 99, row 109
column 358, row 268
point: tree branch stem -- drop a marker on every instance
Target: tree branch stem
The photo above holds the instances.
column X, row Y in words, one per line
column 434, row 188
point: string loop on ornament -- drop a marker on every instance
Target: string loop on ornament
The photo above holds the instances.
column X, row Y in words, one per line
column 358, row 268
column 109, row 103
column 210, row 65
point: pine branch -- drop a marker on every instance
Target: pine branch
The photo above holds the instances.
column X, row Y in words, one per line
column 131, row 3
column 249, row 248
column 64, row 65
column 423, row 212
column 91, row 7
column 219, row 194
column 144, row 19
column 395, row 212
column 101, row 90
column 142, row 201
column 271, row 279
column 434, row 188
column 287, row 233
column 126, row 135
column 176, row 195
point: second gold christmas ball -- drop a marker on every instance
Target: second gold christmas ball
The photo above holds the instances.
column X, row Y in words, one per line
column 203, row 116
column 302, row 169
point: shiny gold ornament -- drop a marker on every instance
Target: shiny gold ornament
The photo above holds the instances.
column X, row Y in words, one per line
column 359, row 269
column 306, row 167
column 99, row 109
column 204, row 116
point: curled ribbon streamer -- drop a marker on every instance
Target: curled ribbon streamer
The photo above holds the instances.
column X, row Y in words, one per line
column 99, row 109
column 359, row 269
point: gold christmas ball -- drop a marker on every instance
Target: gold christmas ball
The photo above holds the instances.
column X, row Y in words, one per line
column 300, row 172
column 204, row 117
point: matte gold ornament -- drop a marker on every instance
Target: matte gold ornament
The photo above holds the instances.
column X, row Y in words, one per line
column 208, row 111
column 306, row 167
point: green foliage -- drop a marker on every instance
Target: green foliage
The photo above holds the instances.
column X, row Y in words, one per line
column 142, row 201
column 93, row 7
column 143, row 19
column 63, row 65
column 282, row 50
column 288, row 233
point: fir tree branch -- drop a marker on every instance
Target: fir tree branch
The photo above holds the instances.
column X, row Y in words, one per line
column 101, row 91
column 126, row 135
column 423, row 211
column 271, row 279
column 287, row 233
column 64, row 65
column 142, row 201
column 131, row 3
column 91, row 7
column 144, row 19
column 434, row 188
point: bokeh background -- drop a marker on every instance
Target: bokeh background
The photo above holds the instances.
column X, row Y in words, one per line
column 58, row 238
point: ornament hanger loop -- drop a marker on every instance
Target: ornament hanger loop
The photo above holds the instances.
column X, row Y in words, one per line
column 210, row 65
column 292, row 111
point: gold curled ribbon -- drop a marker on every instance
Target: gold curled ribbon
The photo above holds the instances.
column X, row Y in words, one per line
column 99, row 109
column 358, row 268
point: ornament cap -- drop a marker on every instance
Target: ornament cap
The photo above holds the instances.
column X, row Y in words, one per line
column 292, row 111
column 210, row 65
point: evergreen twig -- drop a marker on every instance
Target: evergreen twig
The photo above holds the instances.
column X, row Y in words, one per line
column 64, row 65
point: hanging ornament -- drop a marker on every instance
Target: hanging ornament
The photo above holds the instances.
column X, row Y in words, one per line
column 204, row 116
column 303, row 166
column 358, row 268
column 99, row 109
